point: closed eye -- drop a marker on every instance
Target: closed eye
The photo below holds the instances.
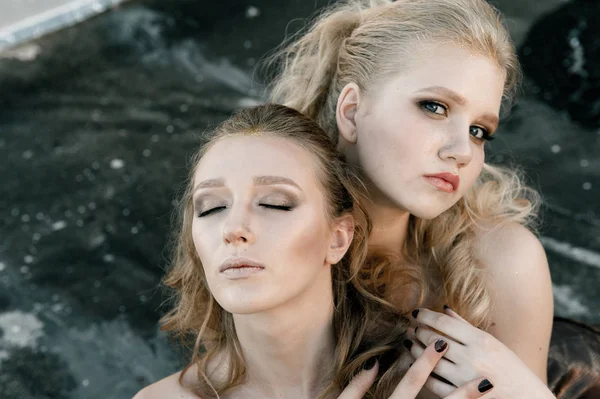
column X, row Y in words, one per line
column 277, row 207
column 211, row 211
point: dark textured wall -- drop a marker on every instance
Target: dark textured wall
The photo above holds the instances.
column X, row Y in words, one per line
column 96, row 125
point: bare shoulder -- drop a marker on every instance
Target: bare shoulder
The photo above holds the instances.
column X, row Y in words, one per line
column 510, row 241
column 168, row 387
column 515, row 262
column 518, row 280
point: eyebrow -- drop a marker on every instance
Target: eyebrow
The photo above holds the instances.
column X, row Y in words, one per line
column 258, row 181
column 457, row 98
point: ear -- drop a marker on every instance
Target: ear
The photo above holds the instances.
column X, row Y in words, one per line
column 341, row 238
column 346, row 112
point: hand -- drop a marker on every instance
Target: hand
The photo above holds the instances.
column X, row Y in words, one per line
column 472, row 353
column 415, row 378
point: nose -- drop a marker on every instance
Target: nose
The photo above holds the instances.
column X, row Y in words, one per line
column 236, row 229
column 458, row 147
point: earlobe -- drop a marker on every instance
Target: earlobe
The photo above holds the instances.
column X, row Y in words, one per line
column 347, row 106
column 341, row 239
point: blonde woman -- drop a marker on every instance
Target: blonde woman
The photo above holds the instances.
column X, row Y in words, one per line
column 411, row 91
column 270, row 239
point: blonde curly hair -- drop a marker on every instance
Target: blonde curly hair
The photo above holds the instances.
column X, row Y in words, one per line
column 361, row 41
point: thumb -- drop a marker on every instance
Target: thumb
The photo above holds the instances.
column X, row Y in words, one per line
column 360, row 384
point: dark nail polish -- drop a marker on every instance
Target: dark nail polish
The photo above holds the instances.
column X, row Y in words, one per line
column 408, row 343
column 415, row 313
column 410, row 365
column 369, row 364
column 446, row 307
column 440, row 345
column 485, row 386
column 416, row 328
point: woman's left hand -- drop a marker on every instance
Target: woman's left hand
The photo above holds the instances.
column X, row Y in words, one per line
column 473, row 353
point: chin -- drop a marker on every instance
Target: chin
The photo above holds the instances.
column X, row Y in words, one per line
column 428, row 211
column 242, row 303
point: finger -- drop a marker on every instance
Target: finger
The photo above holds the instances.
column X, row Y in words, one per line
column 426, row 336
column 438, row 387
column 416, row 376
column 453, row 328
column 360, row 384
column 444, row 368
column 473, row 389
column 448, row 310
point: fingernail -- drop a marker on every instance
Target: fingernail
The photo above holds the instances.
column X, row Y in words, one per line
column 446, row 307
column 410, row 365
column 408, row 343
column 440, row 346
column 485, row 386
column 415, row 313
column 369, row 364
column 416, row 328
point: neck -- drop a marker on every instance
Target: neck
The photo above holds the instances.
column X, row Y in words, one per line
column 288, row 351
column 390, row 223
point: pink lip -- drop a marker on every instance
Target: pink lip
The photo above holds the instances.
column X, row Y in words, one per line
column 447, row 182
column 240, row 267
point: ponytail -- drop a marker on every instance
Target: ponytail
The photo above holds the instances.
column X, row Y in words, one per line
column 306, row 77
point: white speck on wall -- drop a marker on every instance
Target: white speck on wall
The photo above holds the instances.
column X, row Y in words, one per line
column 584, row 163
column 2, row 266
column 248, row 102
column 20, row 329
column 57, row 307
column 28, row 259
column 24, row 269
column 117, row 163
column 59, row 225
column 252, row 12
column 146, row 152
column 555, row 148
column 587, row 185
column 27, row 154
column 85, row 383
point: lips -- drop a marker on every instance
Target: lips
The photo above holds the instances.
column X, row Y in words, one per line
column 447, row 182
column 240, row 264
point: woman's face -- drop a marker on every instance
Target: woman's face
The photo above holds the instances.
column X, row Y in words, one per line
column 419, row 136
column 261, row 228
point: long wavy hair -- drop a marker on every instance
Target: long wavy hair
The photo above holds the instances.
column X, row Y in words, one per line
column 366, row 42
column 365, row 326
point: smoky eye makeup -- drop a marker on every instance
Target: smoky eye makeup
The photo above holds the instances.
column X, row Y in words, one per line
column 278, row 201
column 205, row 205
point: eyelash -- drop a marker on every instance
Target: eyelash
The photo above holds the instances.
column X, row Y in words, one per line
column 485, row 135
column 285, row 208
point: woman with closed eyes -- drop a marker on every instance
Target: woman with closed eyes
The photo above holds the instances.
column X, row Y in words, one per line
column 272, row 237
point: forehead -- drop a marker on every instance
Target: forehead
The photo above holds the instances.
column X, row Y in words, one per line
column 478, row 78
column 244, row 157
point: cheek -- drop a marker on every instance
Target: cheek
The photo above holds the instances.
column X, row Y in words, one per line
column 307, row 239
column 202, row 242
column 475, row 167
